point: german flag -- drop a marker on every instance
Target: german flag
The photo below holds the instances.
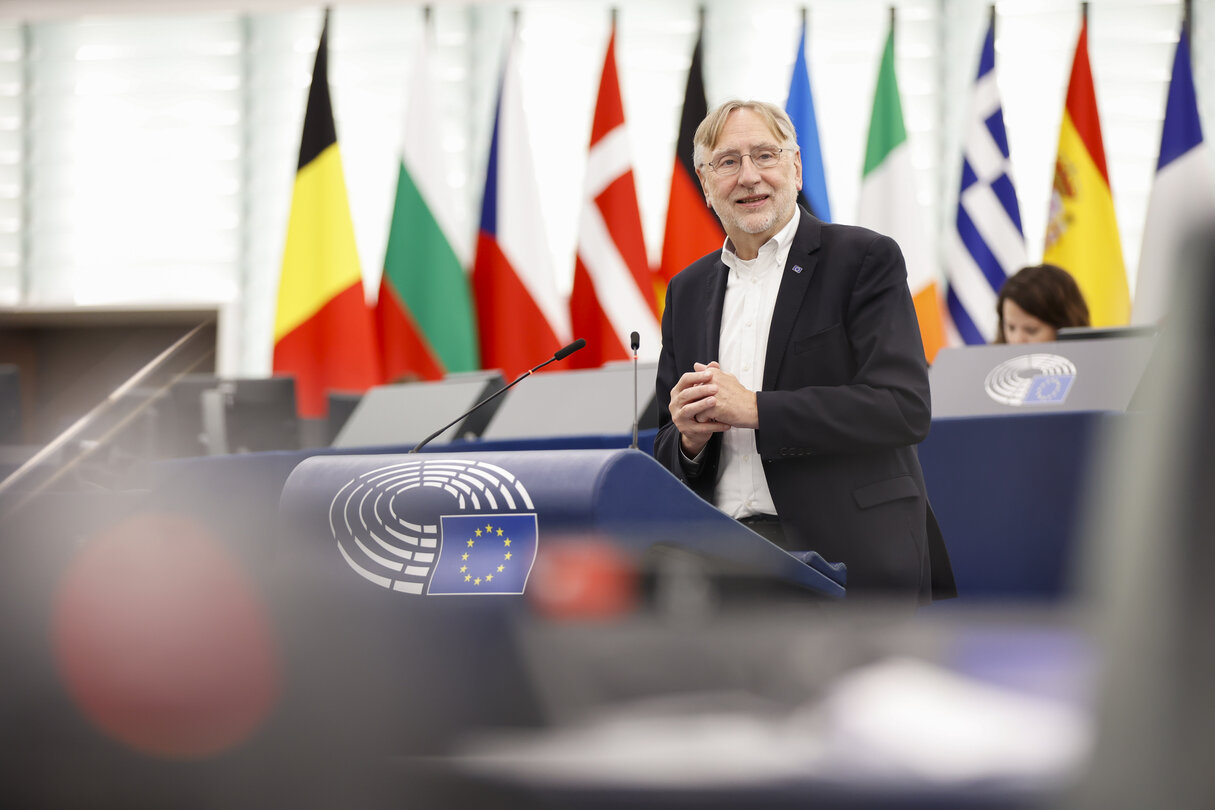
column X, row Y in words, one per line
column 692, row 229
column 324, row 334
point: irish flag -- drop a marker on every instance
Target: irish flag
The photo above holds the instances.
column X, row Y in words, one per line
column 888, row 201
column 323, row 331
column 1082, row 232
column 424, row 312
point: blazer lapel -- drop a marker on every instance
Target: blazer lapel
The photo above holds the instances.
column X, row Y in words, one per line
column 794, row 283
column 716, row 298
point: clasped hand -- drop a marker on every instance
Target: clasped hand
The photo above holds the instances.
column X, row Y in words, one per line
column 708, row 400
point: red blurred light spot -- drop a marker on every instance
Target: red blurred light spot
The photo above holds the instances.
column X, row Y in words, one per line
column 162, row 640
column 583, row 579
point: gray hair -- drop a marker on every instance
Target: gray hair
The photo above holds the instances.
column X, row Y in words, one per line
column 709, row 131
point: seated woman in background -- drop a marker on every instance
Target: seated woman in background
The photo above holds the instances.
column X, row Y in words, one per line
column 1036, row 302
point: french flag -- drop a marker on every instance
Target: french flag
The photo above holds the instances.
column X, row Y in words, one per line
column 1183, row 195
column 521, row 316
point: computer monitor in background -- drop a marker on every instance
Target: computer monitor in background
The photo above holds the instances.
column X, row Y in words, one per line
column 10, row 404
column 595, row 401
column 1099, row 332
column 260, row 414
column 208, row 415
column 406, row 413
column 342, row 406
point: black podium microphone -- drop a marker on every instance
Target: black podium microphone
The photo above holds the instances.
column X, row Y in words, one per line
column 560, row 354
column 635, row 343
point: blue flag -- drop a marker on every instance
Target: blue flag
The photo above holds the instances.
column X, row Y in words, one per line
column 486, row 554
column 989, row 244
column 800, row 108
column 1183, row 193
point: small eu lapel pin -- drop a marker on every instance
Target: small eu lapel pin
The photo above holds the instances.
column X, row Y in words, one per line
column 797, row 268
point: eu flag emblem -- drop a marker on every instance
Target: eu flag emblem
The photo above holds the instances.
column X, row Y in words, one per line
column 491, row 554
column 1048, row 388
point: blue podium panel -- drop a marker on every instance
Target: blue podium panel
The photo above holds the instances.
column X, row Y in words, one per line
column 475, row 523
column 1008, row 492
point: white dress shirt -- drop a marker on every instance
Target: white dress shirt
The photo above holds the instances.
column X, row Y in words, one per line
column 751, row 289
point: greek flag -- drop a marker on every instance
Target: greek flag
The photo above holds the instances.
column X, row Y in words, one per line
column 989, row 244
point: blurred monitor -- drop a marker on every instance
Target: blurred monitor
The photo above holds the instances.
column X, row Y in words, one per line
column 1101, row 332
column 406, row 413
column 209, row 415
column 260, row 414
column 595, row 401
column 341, row 407
column 10, row 404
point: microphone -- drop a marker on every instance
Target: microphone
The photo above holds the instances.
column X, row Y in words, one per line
column 634, row 343
column 560, row 354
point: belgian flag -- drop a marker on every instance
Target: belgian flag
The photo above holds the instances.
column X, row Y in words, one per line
column 324, row 334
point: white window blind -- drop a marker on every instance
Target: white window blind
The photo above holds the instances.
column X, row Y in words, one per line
column 12, row 158
column 134, row 175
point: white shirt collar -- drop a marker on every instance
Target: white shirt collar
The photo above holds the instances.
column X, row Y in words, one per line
column 779, row 243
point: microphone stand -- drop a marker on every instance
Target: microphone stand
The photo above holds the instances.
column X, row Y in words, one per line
column 635, row 343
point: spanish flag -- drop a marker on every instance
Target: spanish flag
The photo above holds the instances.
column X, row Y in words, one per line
column 1082, row 232
column 324, row 334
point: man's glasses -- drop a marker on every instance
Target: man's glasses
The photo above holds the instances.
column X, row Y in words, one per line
column 765, row 157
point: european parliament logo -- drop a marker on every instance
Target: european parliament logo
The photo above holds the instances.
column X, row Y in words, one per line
column 437, row 527
column 1031, row 379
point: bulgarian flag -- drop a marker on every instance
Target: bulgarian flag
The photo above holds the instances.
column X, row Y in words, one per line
column 888, row 201
column 692, row 228
column 424, row 311
column 323, row 331
column 1082, row 233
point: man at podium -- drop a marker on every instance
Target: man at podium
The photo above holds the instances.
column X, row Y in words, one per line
column 792, row 386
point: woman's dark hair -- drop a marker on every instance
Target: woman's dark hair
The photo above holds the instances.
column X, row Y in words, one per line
column 1047, row 292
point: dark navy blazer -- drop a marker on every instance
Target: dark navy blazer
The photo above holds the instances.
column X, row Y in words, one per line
column 845, row 400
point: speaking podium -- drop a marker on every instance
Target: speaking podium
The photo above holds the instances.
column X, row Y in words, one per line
column 474, row 524
column 406, row 579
